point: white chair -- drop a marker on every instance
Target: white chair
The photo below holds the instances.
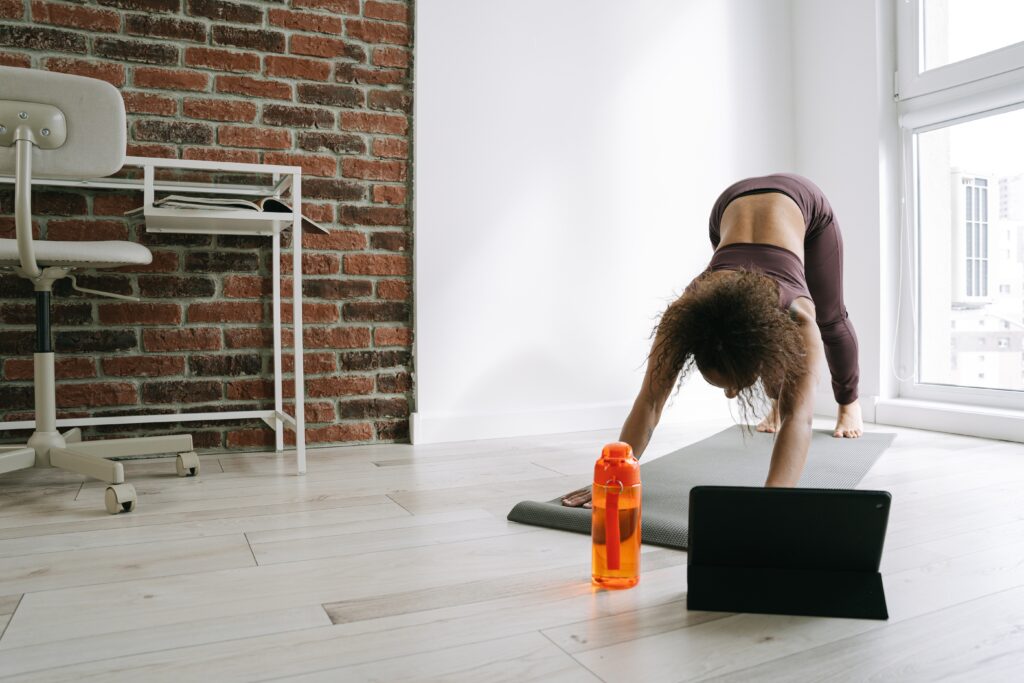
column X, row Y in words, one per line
column 63, row 126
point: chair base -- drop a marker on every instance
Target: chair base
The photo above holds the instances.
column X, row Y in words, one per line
column 68, row 452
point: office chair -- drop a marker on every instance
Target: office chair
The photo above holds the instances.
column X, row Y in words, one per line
column 63, row 126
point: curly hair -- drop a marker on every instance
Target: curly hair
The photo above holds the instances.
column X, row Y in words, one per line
column 731, row 325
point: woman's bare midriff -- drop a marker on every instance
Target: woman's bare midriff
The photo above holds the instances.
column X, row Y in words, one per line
column 766, row 218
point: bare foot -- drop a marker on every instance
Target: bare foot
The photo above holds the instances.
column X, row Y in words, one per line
column 771, row 421
column 580, row 498
column 849, row 424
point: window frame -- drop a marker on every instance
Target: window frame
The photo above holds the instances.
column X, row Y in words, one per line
column 975, row 88
column 911, row 82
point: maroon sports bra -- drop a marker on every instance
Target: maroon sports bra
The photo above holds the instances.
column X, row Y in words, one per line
column 778, row 263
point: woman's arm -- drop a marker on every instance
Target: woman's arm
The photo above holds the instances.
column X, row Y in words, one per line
column 639, row 424
column 796, row 406
column 646, row 411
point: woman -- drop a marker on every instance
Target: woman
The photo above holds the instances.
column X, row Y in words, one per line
column 766, row 309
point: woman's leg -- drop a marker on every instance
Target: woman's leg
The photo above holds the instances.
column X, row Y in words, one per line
column 823, row 267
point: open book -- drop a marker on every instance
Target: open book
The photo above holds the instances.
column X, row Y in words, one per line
column 266, row 205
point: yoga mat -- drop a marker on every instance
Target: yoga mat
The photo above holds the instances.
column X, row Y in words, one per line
column 729, row 458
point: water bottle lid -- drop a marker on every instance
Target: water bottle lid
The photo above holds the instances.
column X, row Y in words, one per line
column 617, row 465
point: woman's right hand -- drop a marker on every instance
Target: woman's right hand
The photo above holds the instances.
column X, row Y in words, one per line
column 580, row 498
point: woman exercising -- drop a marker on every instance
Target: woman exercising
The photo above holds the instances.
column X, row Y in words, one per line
column 766, row 309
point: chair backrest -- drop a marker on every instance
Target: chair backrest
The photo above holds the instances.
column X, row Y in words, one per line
column 96, row 128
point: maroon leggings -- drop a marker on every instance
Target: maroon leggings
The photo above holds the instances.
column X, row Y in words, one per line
column 823, row 270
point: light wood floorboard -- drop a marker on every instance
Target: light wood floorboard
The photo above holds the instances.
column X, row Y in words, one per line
column 397, row 563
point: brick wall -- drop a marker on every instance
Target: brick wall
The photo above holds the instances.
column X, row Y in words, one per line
column 324, row 84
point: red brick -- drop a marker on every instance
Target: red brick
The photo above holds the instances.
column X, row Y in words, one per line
column 342, row 432
column 336, row 240
column 312, row 312
column 321, row 213
column 392, row 336
column 105, row 71
column 389, row 240
column 183, row 339
column 389, row 194
column 373, row 215
column 15, row 9
column 109, row 204
column 86, row 230
column 398, row 383
column 339, row 6
column 305, row 21
column 338, row 386
column 245, row 156
column 393, row 290
column 370, row 76
column 225, row 312
column 143, row 366
column 65, row 368
column 393, row 148
column 313, row 264
column 140, row 314
column 250, row 389
column 391, row 57
column 390, row 100
column 160, row 151
column 222, row 60
column 366, row 122
column 86, row 18
column 251, row 338
column 376, row 264
column 149, row 103
column 377, row 32
column 220, row 110
column 386, row 11
column 14, row 59
column 336, row 337
column 314, row 412
column 373, row 170
column 246, row 286
column 169, row 79
column 263, row 138
column 165, row 27
column 312, row 364
column 251, row 38
column 296, row 67
column 244, row 438
column 316, row 46
column 254, row 87
column 96, row 394
column 311, row 165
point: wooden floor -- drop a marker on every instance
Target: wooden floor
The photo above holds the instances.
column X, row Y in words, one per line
column 393, row 563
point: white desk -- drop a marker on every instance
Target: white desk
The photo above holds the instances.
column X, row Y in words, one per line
column 222, row 223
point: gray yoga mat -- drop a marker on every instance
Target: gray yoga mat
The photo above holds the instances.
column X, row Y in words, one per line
column 729, row 458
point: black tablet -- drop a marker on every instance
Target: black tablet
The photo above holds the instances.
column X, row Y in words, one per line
column 787, row 551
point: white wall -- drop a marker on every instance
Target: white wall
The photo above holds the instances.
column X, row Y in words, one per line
column 846, row 141
column 567, row 155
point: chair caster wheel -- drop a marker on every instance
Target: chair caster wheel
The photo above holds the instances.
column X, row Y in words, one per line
column 187, row 464
column 120, row 498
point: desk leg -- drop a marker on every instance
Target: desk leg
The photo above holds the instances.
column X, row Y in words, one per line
column 300, row 389
column 278, row 396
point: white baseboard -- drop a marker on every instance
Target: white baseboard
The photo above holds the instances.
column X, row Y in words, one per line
column 952, row 418
column 427, row 428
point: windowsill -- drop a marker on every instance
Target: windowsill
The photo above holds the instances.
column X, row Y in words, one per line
column 953, row 418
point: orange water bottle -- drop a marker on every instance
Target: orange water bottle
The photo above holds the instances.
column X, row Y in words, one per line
column 615, row 521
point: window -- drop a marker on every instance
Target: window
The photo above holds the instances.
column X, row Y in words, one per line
column 945, row 43
column 960, row 94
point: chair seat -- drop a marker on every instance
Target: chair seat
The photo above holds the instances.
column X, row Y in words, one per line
column 78, row 254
